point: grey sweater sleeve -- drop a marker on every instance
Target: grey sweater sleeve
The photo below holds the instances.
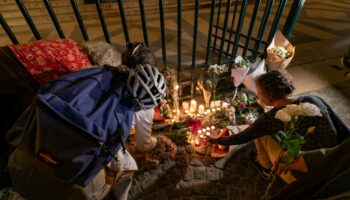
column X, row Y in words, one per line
column 313, row 158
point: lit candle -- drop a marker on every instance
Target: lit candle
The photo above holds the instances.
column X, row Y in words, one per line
column 212, row 104
column 172, row 121
column 186, row 111
column 225, row 105
column 193, row 106
column 199, row 132
column 190, row 115
column 197, row 143
column 217, row 108
column 203, row 130
column 201, row 136
column 213, row 110
column 185, row 105
column 208, row 133
column 205, row 113
column 212, row 127
column 208, row 111
column 208, row 128
column 201, row 109
column 176, row 87
column 217, row 103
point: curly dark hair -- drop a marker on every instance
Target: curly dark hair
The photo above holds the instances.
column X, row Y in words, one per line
column 276, row 84
column 136, row 53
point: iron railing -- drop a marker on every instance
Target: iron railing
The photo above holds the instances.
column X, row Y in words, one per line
column 221, row 48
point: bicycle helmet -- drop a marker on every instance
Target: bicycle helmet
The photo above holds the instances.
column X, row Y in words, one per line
column 147, row 86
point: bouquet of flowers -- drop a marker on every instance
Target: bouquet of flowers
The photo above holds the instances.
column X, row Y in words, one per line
column 212, row 78
column 173, row 89
column 165, row 149
column 289, row 139
column 280, row 52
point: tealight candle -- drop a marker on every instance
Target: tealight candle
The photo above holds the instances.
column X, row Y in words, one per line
column 197, row 143
column 176, row 87
column 193, row 106
column 199, row 132
column 185, row 105
column 201, row 136
column 201, row 109
column 190, row 115
column 203, row 130
column 186, row 111
column 205, row 113
column 172, row 121
column 208, row 133
column 212, row 127
column 208, row 111
column 208, row 128
column 213, row 110
column 217, row 108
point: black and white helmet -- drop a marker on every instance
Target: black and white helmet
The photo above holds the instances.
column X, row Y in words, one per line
column 147, row 85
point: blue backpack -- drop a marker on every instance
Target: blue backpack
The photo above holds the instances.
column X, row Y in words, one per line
column 76, row 123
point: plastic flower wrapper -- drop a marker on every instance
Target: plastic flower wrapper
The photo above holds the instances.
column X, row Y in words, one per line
column 240, row 71
column 256, row 69
column 277, row 57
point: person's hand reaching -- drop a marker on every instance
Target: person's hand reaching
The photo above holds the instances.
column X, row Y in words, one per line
column 213, row 140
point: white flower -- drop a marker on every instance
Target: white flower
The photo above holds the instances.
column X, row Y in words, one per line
column 280, row 52
column 293, row 110
column 283, row 116
column 310, row 109
column 244, row 98
column 238, row 59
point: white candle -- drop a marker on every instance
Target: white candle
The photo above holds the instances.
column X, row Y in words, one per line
column 172, row 121
column 208, row 111
column 213, row 110
column 203, row 130
column 205, row 113
column 199, row 132
column 186, row 111
column 193, row 106
column 212, row 127
column 190, row 115
column 201, row 136
column 217, row 108
column 176, row 87
column 208, row 133
column 217, row 103
column 208, row 129
column 212, row 104
column 185, row 105
column 201, row 109
column 224, row 105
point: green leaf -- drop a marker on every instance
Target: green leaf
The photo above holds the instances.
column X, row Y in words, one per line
column 279, row 140
column 283, row 134
column 287, row 158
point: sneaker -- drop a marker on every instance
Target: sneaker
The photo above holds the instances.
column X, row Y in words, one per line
column 265, row 173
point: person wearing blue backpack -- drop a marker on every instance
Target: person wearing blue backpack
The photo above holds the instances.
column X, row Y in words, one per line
column 69, row 141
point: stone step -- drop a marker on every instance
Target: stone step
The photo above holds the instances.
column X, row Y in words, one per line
column 65, row 13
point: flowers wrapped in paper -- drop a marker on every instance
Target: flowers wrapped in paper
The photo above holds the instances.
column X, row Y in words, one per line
column 280, row 52
column 246, row 72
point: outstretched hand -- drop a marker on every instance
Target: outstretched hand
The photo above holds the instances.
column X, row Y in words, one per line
column 213, row 140
column 298, row 164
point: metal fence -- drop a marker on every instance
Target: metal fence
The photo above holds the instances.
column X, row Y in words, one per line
column 224, row 41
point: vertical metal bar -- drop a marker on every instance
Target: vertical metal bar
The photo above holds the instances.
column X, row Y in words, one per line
column 161, row 13
column 179, row 24
column 262, row 28
column 251, row 27
column 217, row 23
column 277, row 19
column 292, row 17
column 28, row 19
column 54, row 18
column 232, row 25
column 102, row 20
column 239, row 28
column 212, row 11
column 122, row 15
column 79, row 19
column 8, row 30
column 143, row 19
column 228, row 6
column 195, row 30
